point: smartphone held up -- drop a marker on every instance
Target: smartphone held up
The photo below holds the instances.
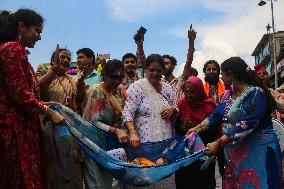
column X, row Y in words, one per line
column 140, row 33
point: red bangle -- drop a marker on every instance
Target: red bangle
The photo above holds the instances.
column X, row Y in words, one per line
column 221, row 142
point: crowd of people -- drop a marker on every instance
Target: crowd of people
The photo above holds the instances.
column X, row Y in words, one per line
column 232, row 114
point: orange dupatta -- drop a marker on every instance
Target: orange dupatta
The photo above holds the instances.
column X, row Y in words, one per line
column 221, row 88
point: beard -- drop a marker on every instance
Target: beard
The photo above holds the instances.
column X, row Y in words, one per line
column 168, row 72
column 212, row 79
column 130, row 71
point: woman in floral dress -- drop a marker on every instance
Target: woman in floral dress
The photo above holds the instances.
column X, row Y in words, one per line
column 252, row 152
column 105, row 102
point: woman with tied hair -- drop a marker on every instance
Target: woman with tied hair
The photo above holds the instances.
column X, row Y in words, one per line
column 252, row 152
column 104, row 106
column 55, row 84
column 21, row 164
column 193, row 109
column 148, row 112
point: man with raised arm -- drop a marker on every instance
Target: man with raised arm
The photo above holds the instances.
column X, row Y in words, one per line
column 130, row 62
column 170, row 63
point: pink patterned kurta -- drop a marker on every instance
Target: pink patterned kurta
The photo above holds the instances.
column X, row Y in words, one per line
column 20, row 156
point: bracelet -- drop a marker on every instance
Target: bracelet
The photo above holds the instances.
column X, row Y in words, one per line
column 131, row 128
column 191, row 49
column 219, row 141
column 223, row 142
column 199, row 129
column 45, row 108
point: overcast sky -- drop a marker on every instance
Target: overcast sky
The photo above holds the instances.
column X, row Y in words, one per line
column 224, row 28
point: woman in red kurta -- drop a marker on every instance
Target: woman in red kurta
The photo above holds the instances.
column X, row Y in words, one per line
column 20, row 106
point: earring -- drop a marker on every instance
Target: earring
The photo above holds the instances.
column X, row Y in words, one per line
column 19, row 37
column 232, row 87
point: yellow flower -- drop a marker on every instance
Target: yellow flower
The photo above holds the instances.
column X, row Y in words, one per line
column 99, row 69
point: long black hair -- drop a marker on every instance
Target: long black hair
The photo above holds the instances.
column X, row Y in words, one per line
column 242, row 72
column 9, row 23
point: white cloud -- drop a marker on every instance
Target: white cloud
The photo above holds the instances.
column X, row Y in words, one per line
column 234, row 34
column 134, row 10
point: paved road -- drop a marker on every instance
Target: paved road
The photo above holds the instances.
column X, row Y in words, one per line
column 218, row 177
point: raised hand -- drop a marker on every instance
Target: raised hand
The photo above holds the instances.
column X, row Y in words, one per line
column 191, row 33
column 84, row 71
column 56, row 60
column 56, row 63
column 138, row 42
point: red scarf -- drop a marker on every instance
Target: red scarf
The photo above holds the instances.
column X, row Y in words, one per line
column 200, row 108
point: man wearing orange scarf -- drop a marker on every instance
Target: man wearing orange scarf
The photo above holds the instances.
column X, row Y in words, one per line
column 213, row 86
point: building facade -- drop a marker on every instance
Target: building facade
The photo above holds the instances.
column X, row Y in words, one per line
column 263, row 54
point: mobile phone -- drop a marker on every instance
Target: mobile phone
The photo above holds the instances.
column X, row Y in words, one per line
column 141, row 30
column 104, row 56
column 140, row 33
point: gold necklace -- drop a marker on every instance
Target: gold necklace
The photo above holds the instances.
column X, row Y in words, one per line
column 67, row 98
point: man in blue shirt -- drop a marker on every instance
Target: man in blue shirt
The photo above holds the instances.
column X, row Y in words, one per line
column 88, row 75
column 86, row 63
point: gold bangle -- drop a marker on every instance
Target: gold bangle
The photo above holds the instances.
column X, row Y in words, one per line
column 45, row 108
column 197, row 130
column 200, row 129
column 131, row 128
